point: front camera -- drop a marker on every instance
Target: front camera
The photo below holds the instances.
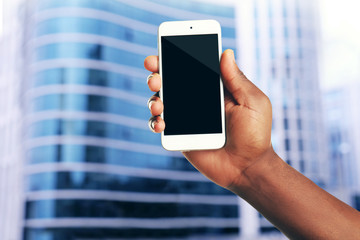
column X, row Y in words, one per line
column 190, row 27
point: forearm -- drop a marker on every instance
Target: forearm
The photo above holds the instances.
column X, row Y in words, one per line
column 294, row 204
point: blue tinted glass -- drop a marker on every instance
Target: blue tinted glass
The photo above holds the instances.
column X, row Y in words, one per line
column 111, row 6
column 95, row 26
column 286, row 32
column 85, row 76
column 116, row 209
column 208, row 8
column 97, row 154
column 89, row 51
column 91, row 103
column 142, row 14
column 114, row 182
column 61, row 233
column 256, row 30
column 287, row 144
column 271, row 31
column 92, row 128
column 228, row 32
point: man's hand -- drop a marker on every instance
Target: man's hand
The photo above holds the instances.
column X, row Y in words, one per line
column 249, row 167
column 248, row 124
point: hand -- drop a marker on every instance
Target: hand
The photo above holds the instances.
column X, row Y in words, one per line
column 248, row 124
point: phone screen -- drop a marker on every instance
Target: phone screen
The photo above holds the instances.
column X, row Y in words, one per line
column 191, row 84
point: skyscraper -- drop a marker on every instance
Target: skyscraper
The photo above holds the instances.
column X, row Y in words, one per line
column 94, row 169
column 342, row 118
column 277, row 50
column 281, row 58
column 11, row 121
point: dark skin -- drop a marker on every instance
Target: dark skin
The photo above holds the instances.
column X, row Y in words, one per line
column 248, row 165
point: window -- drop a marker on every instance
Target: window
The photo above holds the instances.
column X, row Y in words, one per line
column 116, row 209
column 299, row 124
column 285, row 100
column 273, row 123
column 300, row 52
column 356, row 201
column 272, row 52
column 95, row 155
column 271, row 32
column 83, row 154
column 299, row 33
column 70, row 180
column 129, row 35
column 284, row 10
column 96, row 103
column 302, row 166
column 96, row 77
column 287, row 144
column 273, row 72
column 301, row 145
column 75, row 50
column 102, row 129
column 124, row 233
column 298, row 104
column 127, row 83
column 84, row 76
column 286, row 123
column 286, row 33
column 96, row 52
column 288, row 72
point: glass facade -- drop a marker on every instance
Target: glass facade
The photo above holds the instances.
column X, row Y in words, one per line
column 94, row 169
column 341, row 121
column 278, row 53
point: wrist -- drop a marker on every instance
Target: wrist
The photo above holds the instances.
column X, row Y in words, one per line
column 260, row 169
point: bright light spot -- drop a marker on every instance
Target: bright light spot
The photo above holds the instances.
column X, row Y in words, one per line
column 1, row 17
column 340, row 42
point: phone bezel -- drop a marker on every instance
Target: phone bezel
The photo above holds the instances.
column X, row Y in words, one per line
column 192, row 141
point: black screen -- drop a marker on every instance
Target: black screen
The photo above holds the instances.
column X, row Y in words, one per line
column 191, row 84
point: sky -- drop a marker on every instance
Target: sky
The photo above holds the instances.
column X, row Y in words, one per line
column 339, row 42
column 1, row 17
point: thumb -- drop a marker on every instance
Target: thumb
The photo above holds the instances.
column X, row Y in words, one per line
column 234, row 80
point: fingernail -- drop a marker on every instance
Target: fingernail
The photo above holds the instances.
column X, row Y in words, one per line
column 232, row 54
column 149, row 77
column 152, row 123
column 150, row 103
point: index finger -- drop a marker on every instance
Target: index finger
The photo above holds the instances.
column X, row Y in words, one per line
column 151, row 63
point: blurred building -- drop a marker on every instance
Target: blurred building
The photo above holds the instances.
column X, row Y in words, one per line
column 277, row 50
column 95, row 171
column 11, row 120
column 342, row 117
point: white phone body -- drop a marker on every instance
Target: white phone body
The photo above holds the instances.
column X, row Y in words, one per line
column 199, row 30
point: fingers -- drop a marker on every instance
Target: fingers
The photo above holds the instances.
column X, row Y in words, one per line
column 151, row 63
column 234, row 80
column 154, row 82
column 156, row 124
column 155, row 105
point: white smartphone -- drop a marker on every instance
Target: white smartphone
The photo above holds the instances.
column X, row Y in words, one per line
column 192, row 89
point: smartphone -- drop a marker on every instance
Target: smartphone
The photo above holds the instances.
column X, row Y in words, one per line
column 192, row 90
